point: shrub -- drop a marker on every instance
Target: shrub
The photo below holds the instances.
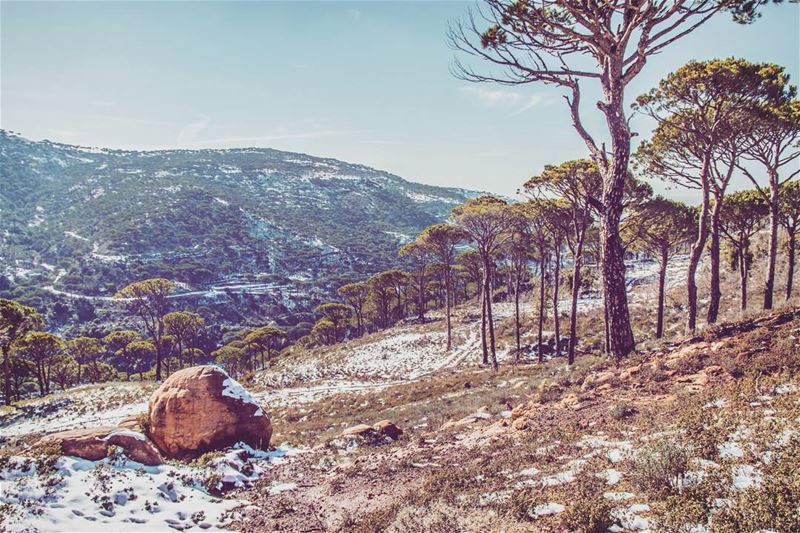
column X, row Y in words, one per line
column 653, row 372
column 212, row 483
column 549, row 392
column 589, row 511
column 144, row 422
column 774, row 504
column 700, row 429
column 733, row 366
column 716, row 332
column 48, row 457
column 693, row 507
column 621, row 411
column 207, row 459
column 690, row 364
column 660, row 468
column 522, row 502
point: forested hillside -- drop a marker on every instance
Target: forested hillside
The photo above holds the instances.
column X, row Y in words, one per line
column 248, row 228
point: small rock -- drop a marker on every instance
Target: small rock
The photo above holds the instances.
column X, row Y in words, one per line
column 386, row 427
column 520, row 424
column 360, row 430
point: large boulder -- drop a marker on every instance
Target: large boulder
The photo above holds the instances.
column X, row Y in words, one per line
column 94, row 444
column 200, row 409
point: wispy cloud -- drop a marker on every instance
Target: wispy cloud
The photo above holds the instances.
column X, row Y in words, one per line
column 354, row 14
column 516, row 102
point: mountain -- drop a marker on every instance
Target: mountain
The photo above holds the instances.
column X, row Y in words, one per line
column 252, row 227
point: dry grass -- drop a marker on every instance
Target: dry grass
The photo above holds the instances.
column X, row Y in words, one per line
column 425, row 405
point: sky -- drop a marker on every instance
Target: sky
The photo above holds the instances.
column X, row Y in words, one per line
column 364, row 82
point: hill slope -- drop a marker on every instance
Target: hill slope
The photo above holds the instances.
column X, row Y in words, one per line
column 701, row 435
column 248, row 221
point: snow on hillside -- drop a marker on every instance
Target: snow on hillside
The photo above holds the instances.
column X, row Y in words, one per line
column 117, row 494
column 411, row 351
column 79, row 407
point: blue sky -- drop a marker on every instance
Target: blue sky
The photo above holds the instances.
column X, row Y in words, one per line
column 366, row 82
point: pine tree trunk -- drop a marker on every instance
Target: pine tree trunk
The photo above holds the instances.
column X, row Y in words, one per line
column 556, row 283
column 662, row 277
column 447, row 306
column 743, row 273
column 421, row 308
column 6, row 375
column 158, row 357
column 715, row 292
column 573, row 317
column 489, row 319
column 483, row 320
column 621, row 341
column 40, row 378
column 790, row 268
column 516, row 317
column 399, row 311
column 774, row 207
column 696, row 253
column 542, row 283
column 606, row 336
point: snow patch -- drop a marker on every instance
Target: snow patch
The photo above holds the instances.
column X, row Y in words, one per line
column 546, row 509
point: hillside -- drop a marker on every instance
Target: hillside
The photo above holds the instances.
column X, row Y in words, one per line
column 689, row 434
column 249, row 228
column 686, row 434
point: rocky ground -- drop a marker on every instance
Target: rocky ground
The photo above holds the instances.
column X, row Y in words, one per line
column 688, row 435
column 697, row 437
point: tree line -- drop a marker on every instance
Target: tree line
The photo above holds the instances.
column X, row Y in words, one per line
column 714, row 119
column 570, row 44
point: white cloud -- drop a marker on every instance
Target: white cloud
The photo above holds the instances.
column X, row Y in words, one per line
column 354, row 14
column 503, row 99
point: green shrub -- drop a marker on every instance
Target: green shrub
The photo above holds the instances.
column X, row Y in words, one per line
column 621, row 411
column 773, row 504
column 693, row 507
column 589, row 511
column 522, row 503
column 700, row 429
column 733, row 366
column 660, row 468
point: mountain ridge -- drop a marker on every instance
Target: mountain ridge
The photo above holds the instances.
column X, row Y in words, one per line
column 86, row 221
